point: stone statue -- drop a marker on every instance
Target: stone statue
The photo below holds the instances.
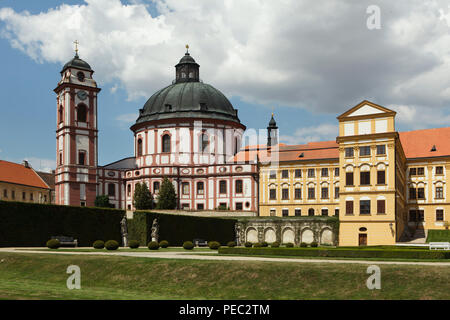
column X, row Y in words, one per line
column 155, row 230
column 124, row 231
column 237, row 230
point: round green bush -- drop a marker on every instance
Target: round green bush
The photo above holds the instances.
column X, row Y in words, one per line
column 303, row 245
column 53, row 244
column 214, row 245
column 264, row 244
column 111, row 245
column 275, row 244
column 257, row 245
column 314, row 244
column 98, row 244
column 164, row 244
column 188, row 245
column 231, row 244
column 248, row 244
column 134, row 244
column 289, row 245
column 153, row 245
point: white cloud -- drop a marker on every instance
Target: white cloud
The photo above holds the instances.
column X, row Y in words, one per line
column 40, row 164
column 311, row 54
column 323, row 132
column 416, row 117
column 125, row 120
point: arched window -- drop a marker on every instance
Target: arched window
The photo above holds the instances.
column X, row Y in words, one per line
column 310, row 212
column 80, row 76
column 204, row 142
column 139, row 147
column 81, row 113
column 60, row 114
column 166, row 143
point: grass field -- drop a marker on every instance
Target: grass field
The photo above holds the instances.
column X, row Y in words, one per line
column 34, row 276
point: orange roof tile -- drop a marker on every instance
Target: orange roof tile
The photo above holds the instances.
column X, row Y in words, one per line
column 418, row 143
column 16, row 173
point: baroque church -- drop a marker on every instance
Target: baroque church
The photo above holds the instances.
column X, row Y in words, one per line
column 187, row 132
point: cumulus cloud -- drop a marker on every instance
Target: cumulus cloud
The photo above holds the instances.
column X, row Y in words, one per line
column 40, row 164
column 315, row 55
column 417, row 117
column 127, row 119
column 304, row 135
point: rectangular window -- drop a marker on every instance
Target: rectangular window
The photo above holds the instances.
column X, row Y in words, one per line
column 336, row 212
column 420, row 193
column 200, row 188
column 413, row 171
column 5, row 193
column 238, row 185
column 421, row 171
column 111, row 189
column 298, row 193
column 348, row 207
column 156, row 186
column 285, row 174
column 439, row 215
column 412, row 216
column 324, row 172
column 324, row 194
column 24, row 197
column 298, row 212
column 222, row 187
column 273, row 174
column 381, row 177
column 13, row 194
column 420, row 215
column 273, row 213
column 325, row 212
column 273, row 194
column 381, row 206
column 311, row 193
column 31, row 196
column 365, row 178
column 336, row 172
column 285, row 194
column 238, row 205
column 381, row 149
column 200, row 206
column 336, row 192
column 439, row 193
column 81, row 158
column 285, row 212
column 364, row 151
column 185, row 187
column 311, row 173
column 364, row 207
column 349, row 153
column 349, row 178
column 439, row 170
column 298, row 173
column 412, row 193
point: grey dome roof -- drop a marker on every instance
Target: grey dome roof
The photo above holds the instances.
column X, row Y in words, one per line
column 76, row 62
column 188, row 100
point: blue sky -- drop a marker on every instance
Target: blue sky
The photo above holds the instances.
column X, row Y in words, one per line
column 308, row 72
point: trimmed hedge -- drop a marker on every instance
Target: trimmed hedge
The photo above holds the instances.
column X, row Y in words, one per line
column 134, row 244
column 337, row 252
column 164, row 244
column 99, row 244
column 53, row 244
column 188, row 245
column 111, row 245
column 153, row 245
column 32, row 224
column 178, row 228
column 438, row 236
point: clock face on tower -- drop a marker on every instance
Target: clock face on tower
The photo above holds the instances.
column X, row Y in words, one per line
column 82, row 95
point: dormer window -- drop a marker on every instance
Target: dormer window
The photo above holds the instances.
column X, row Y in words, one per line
column 168, row 107
column 203, row 106
column 80, row 76
column 433, row 148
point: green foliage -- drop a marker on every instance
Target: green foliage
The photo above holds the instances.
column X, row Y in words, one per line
column 275, row 244
column 264, row 244
column 53, row 244
column 257, row 245
column 153, row 245
column 289, row 245
column 98, row 244
column 142, row 198
column 214, row 245
column 102, row 202
column 177, row 228
column 167, row 197
column 438, row 236
column 231, row 244
column 303, row 244
column 32, row 224
column 188, row 245
column 248, row 244
column 314, row 244
column 134, row 244
column 111, row 245
column 341, row 252
column 164, row 244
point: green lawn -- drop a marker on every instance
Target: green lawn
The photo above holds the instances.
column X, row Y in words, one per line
column 34, row 276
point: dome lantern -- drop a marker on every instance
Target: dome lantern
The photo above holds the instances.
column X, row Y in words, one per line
column 187, row 70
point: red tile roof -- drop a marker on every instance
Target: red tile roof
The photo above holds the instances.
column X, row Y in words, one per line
column 17, row 173
column 418, row 143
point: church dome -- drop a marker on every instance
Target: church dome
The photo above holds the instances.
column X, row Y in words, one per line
column 188, row 97
column 76, row 62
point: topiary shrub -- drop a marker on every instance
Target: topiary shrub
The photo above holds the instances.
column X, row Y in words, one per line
column 153, row 245
column 248, row 244
column 111, row 245
column 134, row 244
column 289, row 245
column 264, row 244
column 303, row 245
column 314, row 244
column 164, row 244
column 257, row 245
column 231, row 244
column 98, row 244
column 53, row 244
column 275, row 244
column 188, row 245
column 214, row 245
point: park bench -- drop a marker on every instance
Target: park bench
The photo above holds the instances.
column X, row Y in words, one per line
column 66, row 241
column 439, row 245
column 200, row 243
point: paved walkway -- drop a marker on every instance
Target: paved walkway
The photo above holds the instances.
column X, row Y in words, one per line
column 204, row 256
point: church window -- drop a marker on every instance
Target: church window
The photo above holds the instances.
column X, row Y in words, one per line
column 139, row 147
column 156, row 186
column 185, row 187
column 60, row 115
column 222, row 187
column 200, row 188
column 183, row 75
column 111, row 189
column 60, row 158
column 204, row 142
column 191, row 74
column 238, row 186
column 80, row 76
column 166, row 143
column 82, row 158
column 81, row 113
column 129, row 190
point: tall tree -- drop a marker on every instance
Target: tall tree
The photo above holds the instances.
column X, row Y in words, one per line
column 102, row 202
column 142, row 198
column 167, row 198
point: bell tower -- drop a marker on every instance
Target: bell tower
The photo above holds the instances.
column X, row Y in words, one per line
column 76, row 134
column 272, row 133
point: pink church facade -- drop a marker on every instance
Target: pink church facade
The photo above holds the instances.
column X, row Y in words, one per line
column 188, row 132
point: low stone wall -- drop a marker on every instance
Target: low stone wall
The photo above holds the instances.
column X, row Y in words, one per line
column 323, row 230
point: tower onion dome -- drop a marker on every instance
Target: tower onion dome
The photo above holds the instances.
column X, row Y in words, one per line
column 188, row 97
column 76, row 62
column 272, row 123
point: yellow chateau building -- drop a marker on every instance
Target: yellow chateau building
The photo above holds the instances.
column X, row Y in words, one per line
column 385, row 186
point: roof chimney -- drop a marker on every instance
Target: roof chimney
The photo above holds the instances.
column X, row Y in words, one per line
column 26, row 164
